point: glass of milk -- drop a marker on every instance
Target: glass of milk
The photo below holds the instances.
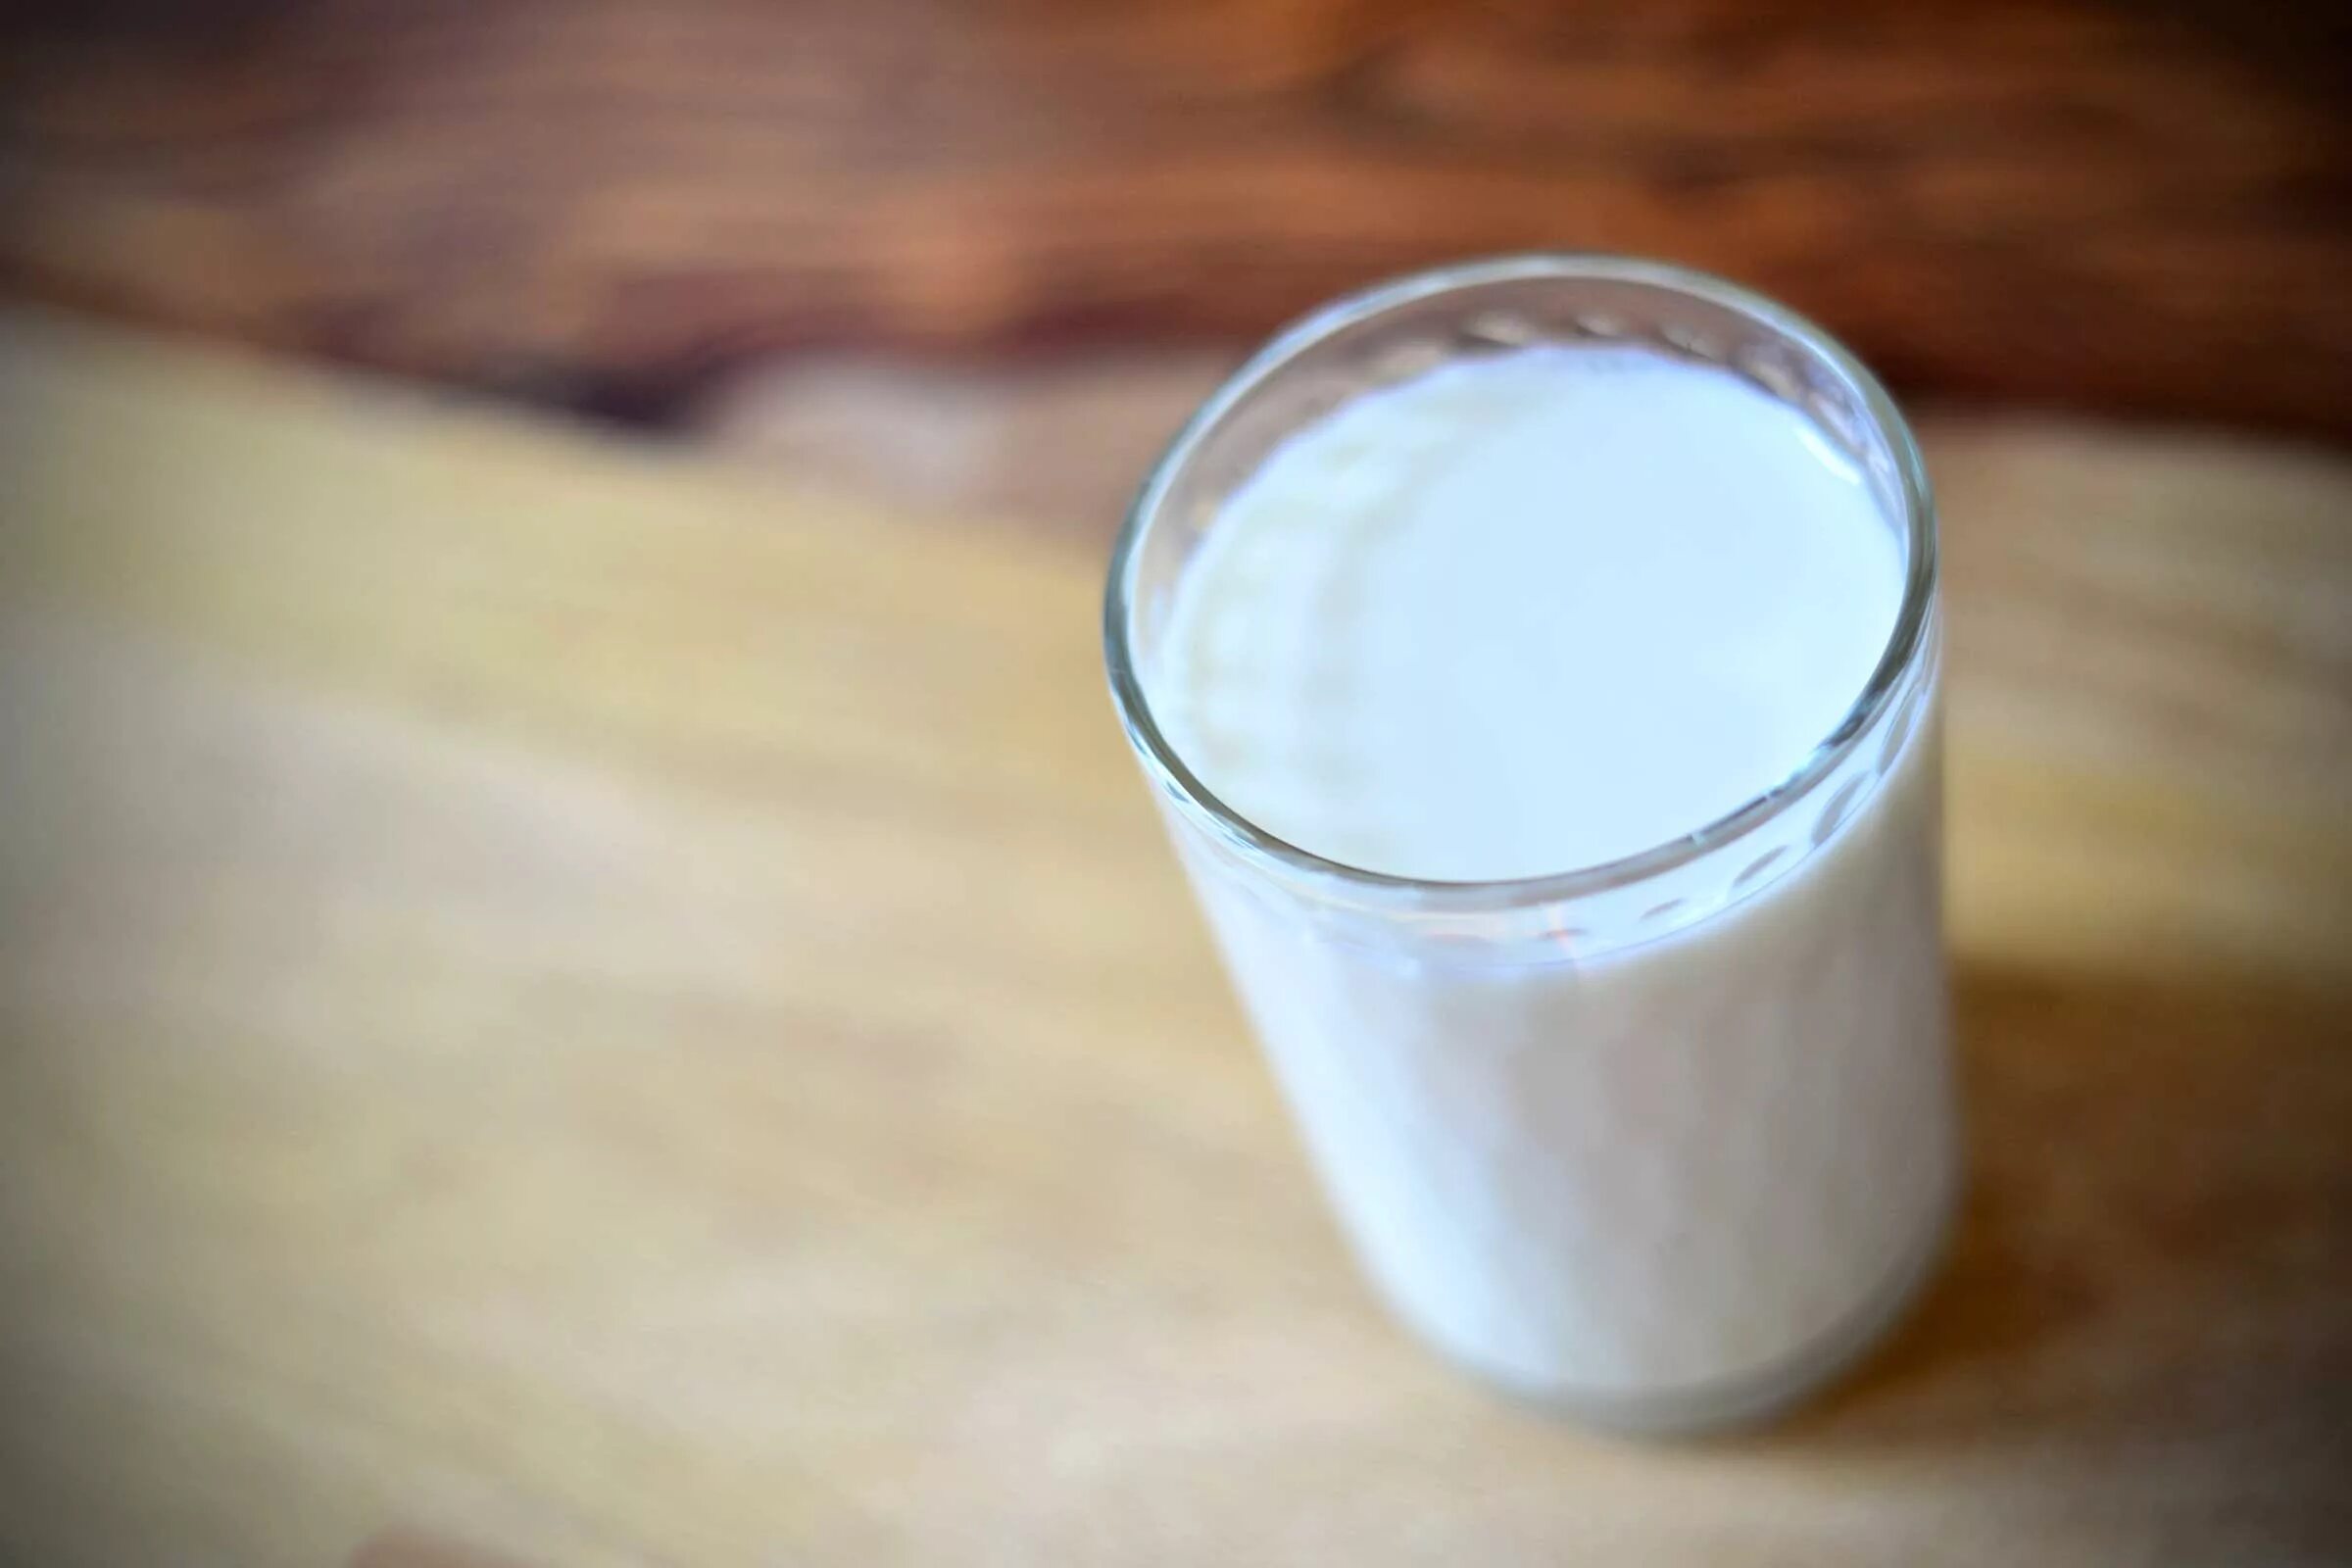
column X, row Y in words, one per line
column 1537, row 662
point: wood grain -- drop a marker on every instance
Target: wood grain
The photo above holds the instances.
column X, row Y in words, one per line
column 571, row 1004
column 2133, row 208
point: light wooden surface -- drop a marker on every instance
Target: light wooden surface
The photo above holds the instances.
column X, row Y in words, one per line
column 578, row 1006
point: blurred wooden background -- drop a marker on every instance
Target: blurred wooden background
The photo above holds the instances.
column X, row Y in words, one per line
column 2142, row 209
column 423, row 858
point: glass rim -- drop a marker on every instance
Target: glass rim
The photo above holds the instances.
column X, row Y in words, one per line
column 1904, row 643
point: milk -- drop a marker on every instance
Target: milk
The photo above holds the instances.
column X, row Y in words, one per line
column 1666, row 1152
column 1527, row 614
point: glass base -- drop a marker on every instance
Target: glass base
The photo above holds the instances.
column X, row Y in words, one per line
column 1751, row 1399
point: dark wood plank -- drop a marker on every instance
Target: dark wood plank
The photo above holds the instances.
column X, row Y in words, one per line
column 2133, row 208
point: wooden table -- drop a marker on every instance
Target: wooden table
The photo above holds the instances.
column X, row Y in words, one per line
column 578, row 1004
column 2064, row 201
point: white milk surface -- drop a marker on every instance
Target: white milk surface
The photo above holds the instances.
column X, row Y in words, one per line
column 1534, row 613
column 1527, row 614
